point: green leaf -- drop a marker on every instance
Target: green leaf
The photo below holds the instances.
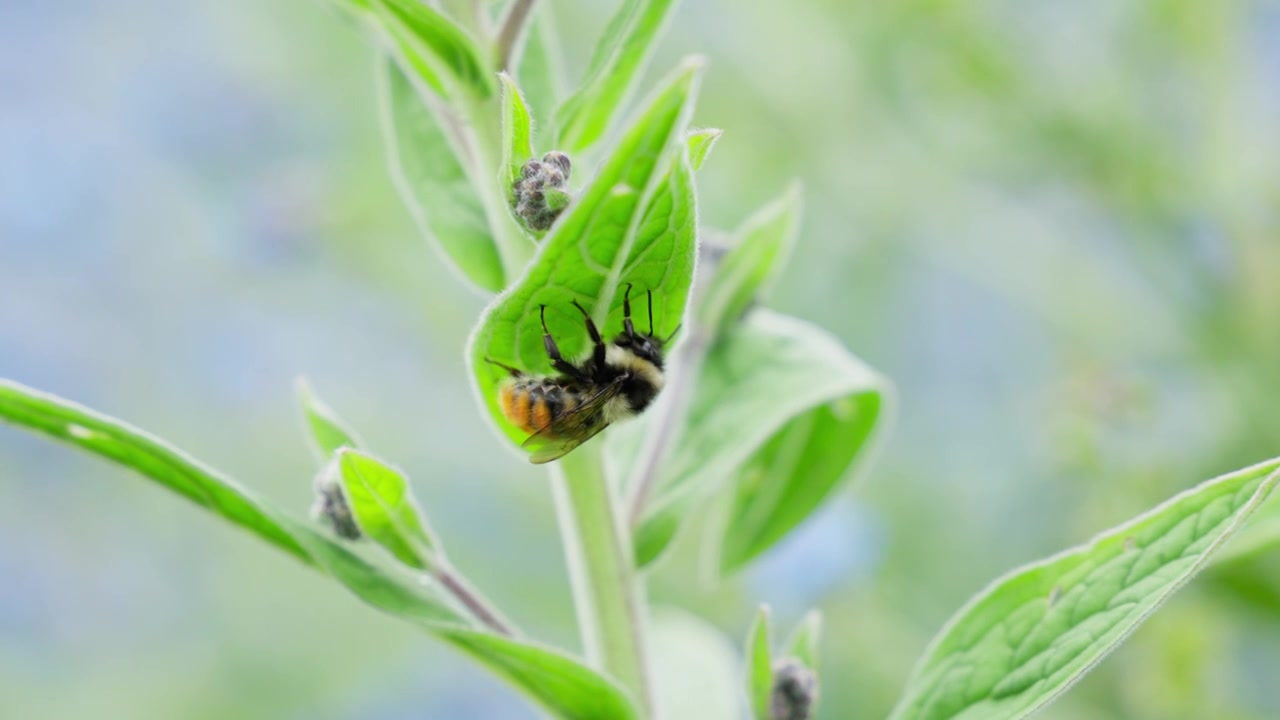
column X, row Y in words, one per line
column 517, row 132
column 558, row 682
column 696, row 669
column 759, row 665
column 328, row 431
column 700, row 144
column 1029, row 636
column 803, row 643
column 384, row 507
column 780, row 406
column 758, row 252
column 114, row 440
column 1260, row 535
column 443, row 54
column 433, row 183
column 561, row 684
column 634, row 223
column 620, row 55
column 556, row 199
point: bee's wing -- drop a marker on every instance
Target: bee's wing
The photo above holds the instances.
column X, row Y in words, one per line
column 555, row 439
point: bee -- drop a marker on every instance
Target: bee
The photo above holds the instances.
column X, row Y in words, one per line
column 616, row 381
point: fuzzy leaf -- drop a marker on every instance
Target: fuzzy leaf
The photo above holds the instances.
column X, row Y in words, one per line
column 700, row 144
column 635, row 222
column 1032, row 634
column 517, row 132
column 758, row 252
column 328, row 432
column 1260, row 535
column 803, row 643
column 788, row 448
column 384, row 507
column 541, row 72
column 562, row 685
column 759, row 674
column 432, row 182
column 620, row 55
column 444, row 55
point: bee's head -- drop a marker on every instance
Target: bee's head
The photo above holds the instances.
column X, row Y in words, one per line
column 643, row 346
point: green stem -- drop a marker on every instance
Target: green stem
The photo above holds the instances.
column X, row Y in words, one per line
column 606, row 590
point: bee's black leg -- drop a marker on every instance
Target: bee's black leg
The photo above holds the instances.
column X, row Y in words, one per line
column 553, row 351
column 626, row 312
column 597, row 343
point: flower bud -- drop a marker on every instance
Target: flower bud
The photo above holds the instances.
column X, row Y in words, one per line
column 559, row 160
column 795, row 691
column 330, row 506
column 529, row 194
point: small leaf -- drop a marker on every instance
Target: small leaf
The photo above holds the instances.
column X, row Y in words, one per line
column 432, row 182
column 517, row 132
column 562, row 685
column 759, row 665
column 620, row 55
column 1032, row 634
column 758, row 252
column 442, row 53
column 780, row 406
column 696, row 669
column 384, row 507
column 556, row 199
column 634, row 223
column 803, row 643
column 700, row 144
column 328, row 431
column 540, row 71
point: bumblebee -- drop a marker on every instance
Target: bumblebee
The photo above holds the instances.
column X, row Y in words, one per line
column 616, row 381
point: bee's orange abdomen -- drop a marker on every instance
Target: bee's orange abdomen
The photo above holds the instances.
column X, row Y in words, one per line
column 513, row 400
column 539, row 414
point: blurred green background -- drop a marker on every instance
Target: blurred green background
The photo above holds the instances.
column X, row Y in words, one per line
column 1055, row 225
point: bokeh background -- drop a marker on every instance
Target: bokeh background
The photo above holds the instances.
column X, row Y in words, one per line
column 1055, row 225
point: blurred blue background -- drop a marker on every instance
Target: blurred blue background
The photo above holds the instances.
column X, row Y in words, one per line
column 1055, row 225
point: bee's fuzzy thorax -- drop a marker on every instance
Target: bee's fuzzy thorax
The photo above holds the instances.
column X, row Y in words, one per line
column 624, row 359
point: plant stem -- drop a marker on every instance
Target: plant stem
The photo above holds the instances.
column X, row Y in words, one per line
column 606, row 591
column 470, row 598
column 512, row 27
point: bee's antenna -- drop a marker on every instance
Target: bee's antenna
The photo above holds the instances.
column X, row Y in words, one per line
column 515, row 372
column 650, row 294
column 626, row 312
column 667, row 339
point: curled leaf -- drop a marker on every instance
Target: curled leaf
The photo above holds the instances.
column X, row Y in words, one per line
column 384, row 508
column 634, row 223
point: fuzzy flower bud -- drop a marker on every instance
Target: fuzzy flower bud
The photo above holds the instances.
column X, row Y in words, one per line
column 795, row 691
column 540, row 195
column 330, row 506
